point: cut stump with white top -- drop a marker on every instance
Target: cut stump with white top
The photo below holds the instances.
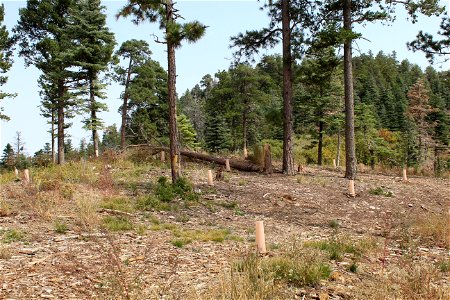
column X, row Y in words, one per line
column 260, row 237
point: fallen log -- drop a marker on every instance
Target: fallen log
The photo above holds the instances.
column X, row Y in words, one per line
column 240, row 165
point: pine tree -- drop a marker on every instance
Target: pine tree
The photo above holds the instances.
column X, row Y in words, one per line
column 135, row 52
column 92, row 52
column 418, row 111
column 217, row 134
column 8, row 159
column 6, row 44
column 147, row 93
column 44, row 43
column 432, row 47
column 188, row 136
column 284, row 13
column 360, row 11
column 175, row 34
column 320, row 99
column 111, row 138
column 43, row 157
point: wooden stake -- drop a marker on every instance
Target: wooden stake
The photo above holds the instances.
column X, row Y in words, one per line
column 210, row 178
column 16, row 172
column 260, row 237
column 351, row 187
column 334, row 163
column 227, row 165
column 163, row 156
column 26, row 175
column 405, row 177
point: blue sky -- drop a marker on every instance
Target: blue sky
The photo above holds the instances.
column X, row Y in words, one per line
column 209, row 55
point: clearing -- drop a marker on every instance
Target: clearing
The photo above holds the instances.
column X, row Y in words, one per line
column 112, row 230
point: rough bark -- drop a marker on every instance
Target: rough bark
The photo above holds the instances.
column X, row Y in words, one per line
column 125, row 106
column 93, row 116
column 268, row 168
column 320, row 145
column 350, row 156
column 53, row 136
column 244, row 129
column 173, row 136
column 60, row 113
column 288, row 127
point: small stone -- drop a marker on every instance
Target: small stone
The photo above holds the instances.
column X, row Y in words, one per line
column 410, row 205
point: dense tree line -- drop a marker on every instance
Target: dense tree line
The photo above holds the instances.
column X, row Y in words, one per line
column 243, row 106
column 306, row 102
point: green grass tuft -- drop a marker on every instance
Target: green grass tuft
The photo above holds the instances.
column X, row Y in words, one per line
column 117, row 223
column 380, row 192
column 117, row 203
column 12, row 235
column 60, row 227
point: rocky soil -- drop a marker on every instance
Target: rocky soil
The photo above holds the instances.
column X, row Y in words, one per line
column 89, row 262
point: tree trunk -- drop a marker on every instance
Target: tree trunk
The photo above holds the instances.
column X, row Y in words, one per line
column 60, row 102
column 53, row 136
column 320, row 146
column 93, row 115
column 18, row 142
column 338, row 151
column 288, row 160
column 350, row 156
column 173, row 136
column 125, row 106
column 244, row 129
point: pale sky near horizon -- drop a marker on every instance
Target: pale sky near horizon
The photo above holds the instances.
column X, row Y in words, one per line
column 209, row 55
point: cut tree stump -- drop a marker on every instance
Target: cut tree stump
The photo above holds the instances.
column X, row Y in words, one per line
column 268, row 168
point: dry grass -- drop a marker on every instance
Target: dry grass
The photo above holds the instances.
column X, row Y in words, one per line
column 119, row 203
column 412, row 280
column 419, row 280
column 312, row 180
column 7, row 177
column 433, row 230
column 5, row 252
column 5, row 208
column 87, row 205
column 255, row 277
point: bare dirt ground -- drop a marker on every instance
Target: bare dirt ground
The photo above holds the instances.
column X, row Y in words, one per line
column 40, row 260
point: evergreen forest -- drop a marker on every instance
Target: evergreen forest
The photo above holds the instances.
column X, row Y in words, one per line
column 344, row 156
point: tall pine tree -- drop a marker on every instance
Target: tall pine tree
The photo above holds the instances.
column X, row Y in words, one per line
column 175, row 33
column 93, row 48
column 44, row 43
column 135, row 53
